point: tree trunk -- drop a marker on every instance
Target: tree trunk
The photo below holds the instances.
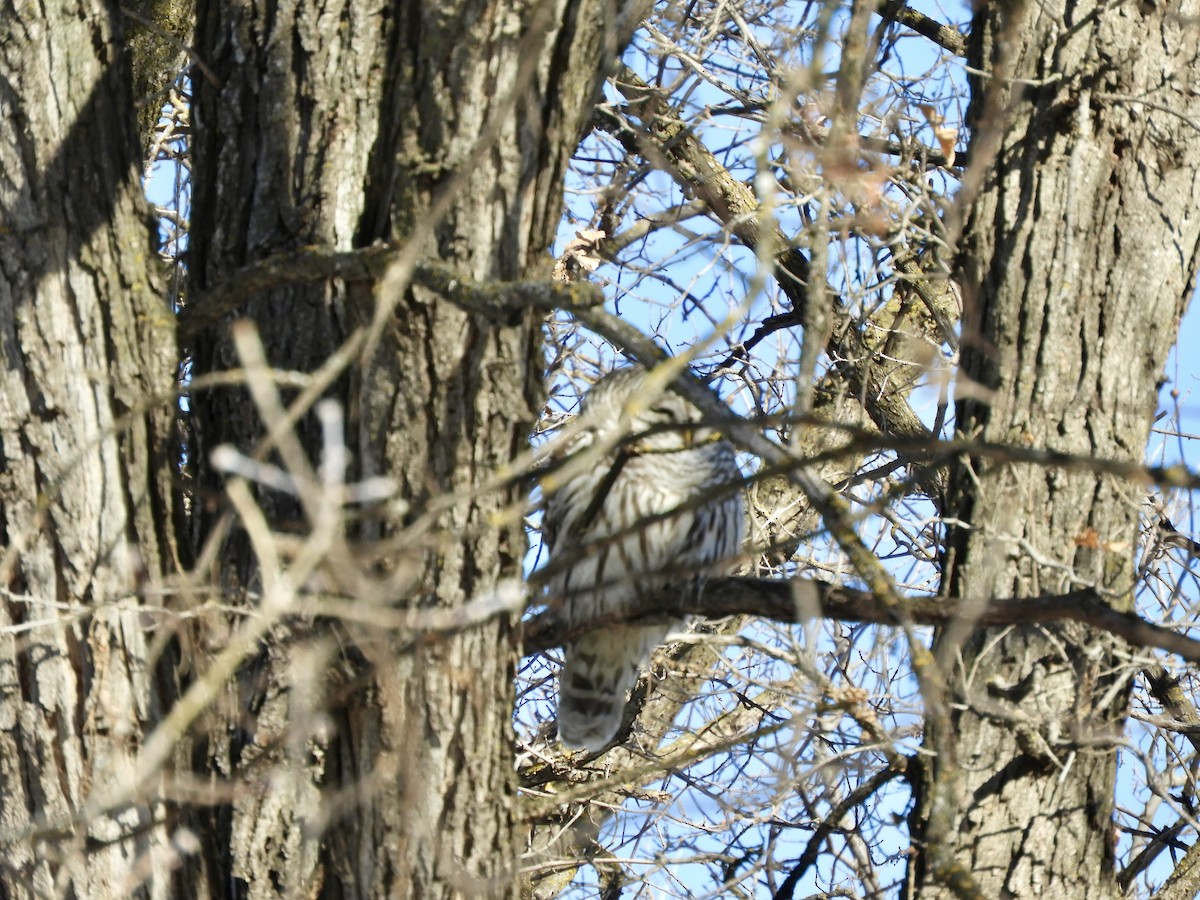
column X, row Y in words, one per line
column 86, row 412
column 1077, row 261
column 157, row 33
column 448, row 128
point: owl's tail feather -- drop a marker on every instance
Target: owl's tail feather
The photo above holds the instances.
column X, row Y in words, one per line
column 598, row 671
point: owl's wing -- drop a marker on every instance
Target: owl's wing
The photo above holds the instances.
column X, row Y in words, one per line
column 570, row 512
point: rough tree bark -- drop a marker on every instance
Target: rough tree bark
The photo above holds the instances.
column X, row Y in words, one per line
column 447, row 126
column 1077, row 259
column 85, row 493
column 156, row 33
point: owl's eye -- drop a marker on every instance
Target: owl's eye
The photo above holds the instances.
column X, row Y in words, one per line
column 661, row 412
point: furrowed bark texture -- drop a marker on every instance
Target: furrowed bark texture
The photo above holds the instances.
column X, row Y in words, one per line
column 87, row 350
column 337, row 125
column 1077, row 261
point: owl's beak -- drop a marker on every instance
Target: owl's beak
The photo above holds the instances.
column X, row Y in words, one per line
column 698, row 436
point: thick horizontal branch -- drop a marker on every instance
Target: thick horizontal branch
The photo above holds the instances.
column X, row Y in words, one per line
column 800, row 600
column 496, row 300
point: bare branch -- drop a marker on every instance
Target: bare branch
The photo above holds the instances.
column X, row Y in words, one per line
column 649, row 224
column 494, row 300
column 1167, row 691
column 943, row 35
column 1185, row 880
column 858, row 796
column 670, row 144
column 800, row 600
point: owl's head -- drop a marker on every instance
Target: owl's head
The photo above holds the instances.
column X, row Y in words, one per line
column 651, row 419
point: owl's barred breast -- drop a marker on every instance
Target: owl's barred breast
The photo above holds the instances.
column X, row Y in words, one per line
column 647, row 526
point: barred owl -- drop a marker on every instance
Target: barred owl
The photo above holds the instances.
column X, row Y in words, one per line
column 657, row 509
